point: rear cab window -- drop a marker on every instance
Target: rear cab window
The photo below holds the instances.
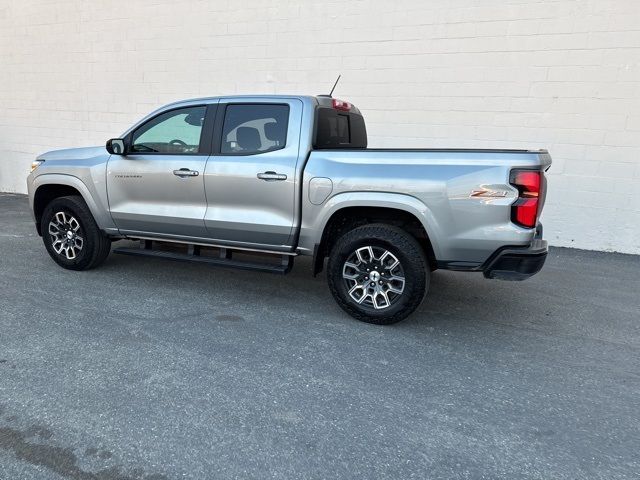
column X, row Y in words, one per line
column 338, row 125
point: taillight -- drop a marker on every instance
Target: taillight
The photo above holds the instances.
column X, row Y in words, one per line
column 341, row 105
column 530, row 185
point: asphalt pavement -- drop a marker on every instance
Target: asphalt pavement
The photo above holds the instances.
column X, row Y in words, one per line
column 150, row 369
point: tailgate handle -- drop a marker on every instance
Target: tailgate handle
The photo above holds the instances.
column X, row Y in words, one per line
column 272, row 176
column 185, row 172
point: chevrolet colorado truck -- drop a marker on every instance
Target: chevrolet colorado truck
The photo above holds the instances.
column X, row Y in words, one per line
column 254, row 181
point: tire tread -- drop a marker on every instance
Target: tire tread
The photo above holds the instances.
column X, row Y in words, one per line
column 101, row 243
column 399, row 239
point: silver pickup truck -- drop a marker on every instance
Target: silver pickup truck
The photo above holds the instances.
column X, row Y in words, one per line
column 254, row 181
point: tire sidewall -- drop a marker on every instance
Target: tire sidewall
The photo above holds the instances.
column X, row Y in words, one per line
column 85, row 254
column 416, row 279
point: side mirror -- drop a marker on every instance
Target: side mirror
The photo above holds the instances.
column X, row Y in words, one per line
column 116, row 146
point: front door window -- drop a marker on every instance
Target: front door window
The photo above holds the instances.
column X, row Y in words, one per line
column 177, row 132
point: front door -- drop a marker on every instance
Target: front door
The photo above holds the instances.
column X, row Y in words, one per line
column 250, row 179
column 158, row 187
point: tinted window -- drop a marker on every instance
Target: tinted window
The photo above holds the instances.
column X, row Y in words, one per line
column 254, row 128
column 174, row 132
column 336, row 129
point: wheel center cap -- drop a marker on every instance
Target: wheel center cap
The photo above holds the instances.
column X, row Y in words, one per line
column 69, row 234
column 375, row 276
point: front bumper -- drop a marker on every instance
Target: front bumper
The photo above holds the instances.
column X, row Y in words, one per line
column 517, row 263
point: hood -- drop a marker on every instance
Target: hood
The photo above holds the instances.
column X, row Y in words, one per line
column 83, row 153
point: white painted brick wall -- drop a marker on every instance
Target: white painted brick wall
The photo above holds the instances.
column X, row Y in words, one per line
column 558, row 74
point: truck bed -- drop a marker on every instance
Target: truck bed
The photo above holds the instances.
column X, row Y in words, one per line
column 439, row 185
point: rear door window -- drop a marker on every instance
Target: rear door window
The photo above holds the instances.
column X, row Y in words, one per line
column 250, row 129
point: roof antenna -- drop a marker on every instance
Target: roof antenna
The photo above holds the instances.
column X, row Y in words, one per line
column 334, row 85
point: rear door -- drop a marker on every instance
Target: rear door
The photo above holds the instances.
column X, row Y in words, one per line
column 158, row 187
column 250, row 178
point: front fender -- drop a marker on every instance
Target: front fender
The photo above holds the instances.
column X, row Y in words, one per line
column 98, row 208
column 315, row 218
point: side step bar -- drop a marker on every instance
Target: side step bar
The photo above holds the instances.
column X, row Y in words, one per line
column 223, row 259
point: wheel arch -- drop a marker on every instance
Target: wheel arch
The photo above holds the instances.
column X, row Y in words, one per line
column 56, row 186
column 407, row 213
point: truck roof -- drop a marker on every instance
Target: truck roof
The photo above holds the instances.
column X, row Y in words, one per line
column 319, row 100
column 232, row 97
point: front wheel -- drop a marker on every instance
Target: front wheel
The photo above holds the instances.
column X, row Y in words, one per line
column 71, row 235
column 378, row 273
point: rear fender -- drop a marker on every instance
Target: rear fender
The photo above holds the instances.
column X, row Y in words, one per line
column 311, row 234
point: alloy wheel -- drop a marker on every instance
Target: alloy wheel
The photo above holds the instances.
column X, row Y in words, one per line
column 66, row 235
column 374, row 277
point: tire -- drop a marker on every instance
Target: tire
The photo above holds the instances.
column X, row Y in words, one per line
column 364, row 247
column 85, row 247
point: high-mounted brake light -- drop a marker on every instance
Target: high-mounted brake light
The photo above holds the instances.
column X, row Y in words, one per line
column 341, row 105
column 526, row 209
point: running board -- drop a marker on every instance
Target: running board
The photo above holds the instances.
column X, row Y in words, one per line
column 223, row 259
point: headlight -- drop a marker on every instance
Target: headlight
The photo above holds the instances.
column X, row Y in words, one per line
column 36, row 164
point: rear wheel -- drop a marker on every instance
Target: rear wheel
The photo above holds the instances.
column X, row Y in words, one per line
column 378, row 273
column 71, row 235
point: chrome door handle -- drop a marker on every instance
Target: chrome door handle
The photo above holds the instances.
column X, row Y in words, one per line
column 185, row 172
column 271, row 176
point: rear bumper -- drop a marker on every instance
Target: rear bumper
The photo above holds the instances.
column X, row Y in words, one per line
column 517, row 263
